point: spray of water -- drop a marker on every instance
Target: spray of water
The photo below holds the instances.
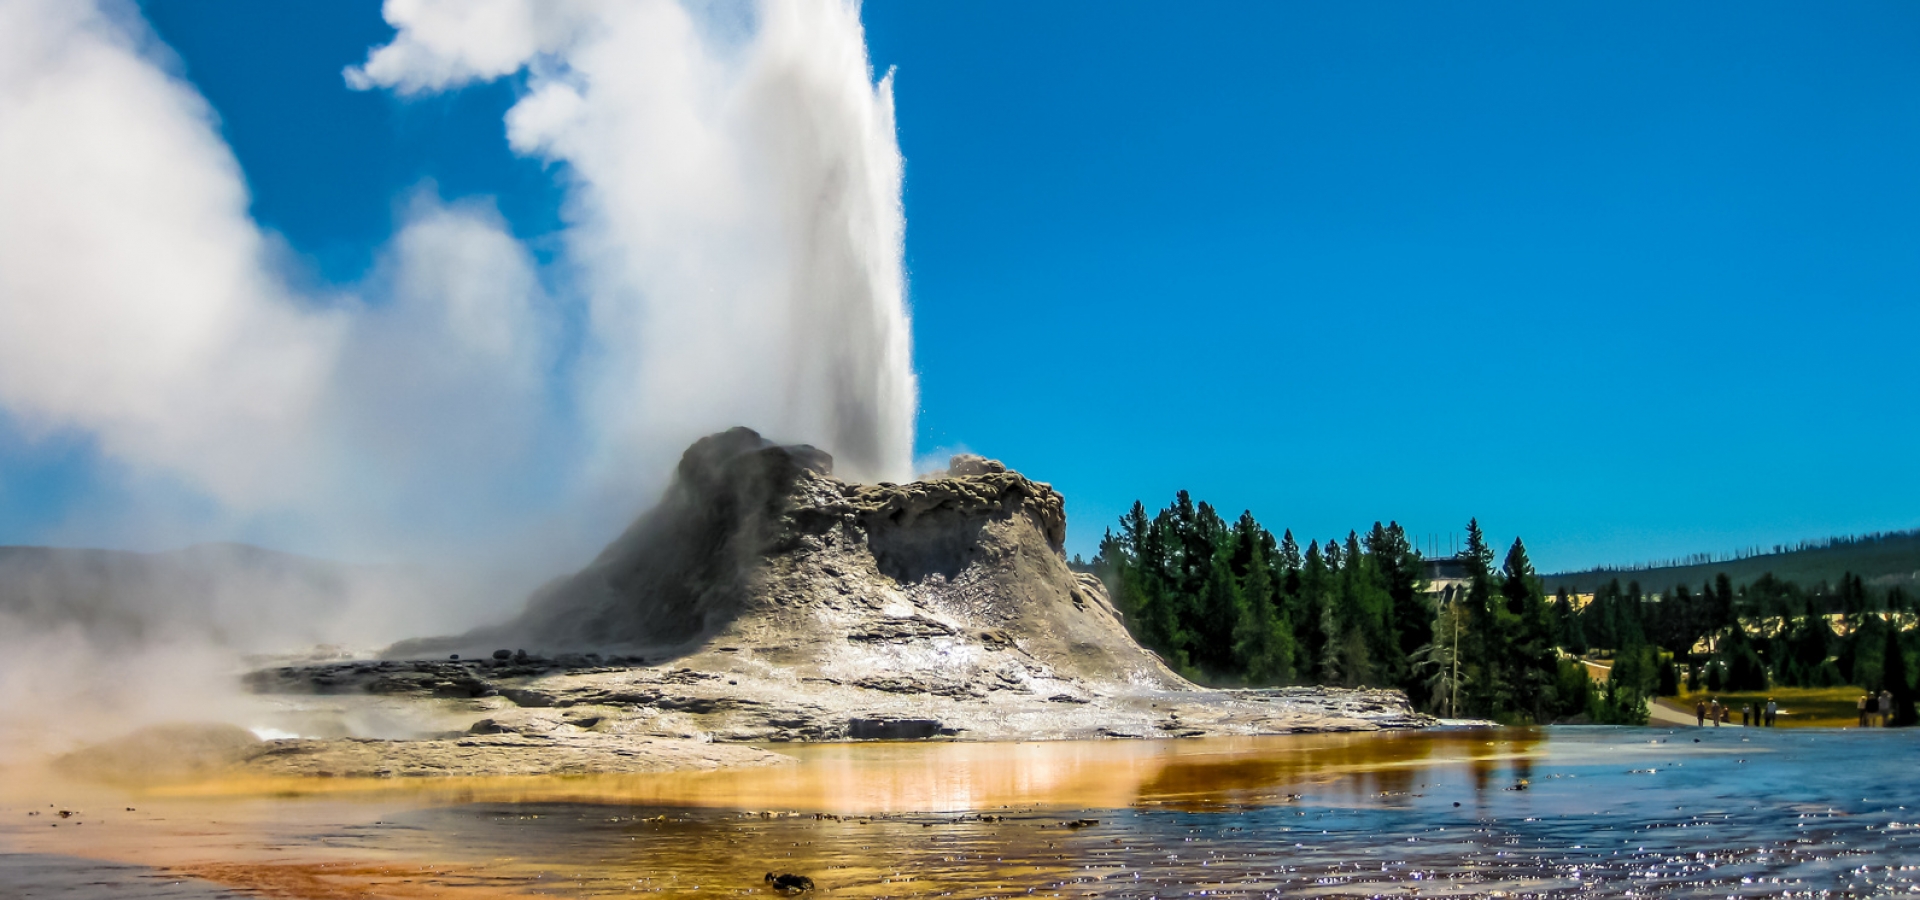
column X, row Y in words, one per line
column 733, row 238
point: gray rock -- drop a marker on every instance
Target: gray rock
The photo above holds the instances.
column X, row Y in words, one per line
column 895, row 729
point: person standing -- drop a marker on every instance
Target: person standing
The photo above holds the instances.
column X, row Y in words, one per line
column 1700, row 712
column 1719, row 712
column 1773, row 712
column 1862, row 705
column 1886, row 709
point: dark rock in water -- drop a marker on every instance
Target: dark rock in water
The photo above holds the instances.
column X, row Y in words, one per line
column 506, row 654
column 789, row 883
column 895, row 729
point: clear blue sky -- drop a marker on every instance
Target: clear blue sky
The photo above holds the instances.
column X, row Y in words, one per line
column 1628, row 280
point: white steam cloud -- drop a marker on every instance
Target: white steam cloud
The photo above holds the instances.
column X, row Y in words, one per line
column 732, row 256
column 735, row 207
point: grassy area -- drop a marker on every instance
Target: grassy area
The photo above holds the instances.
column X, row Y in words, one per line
column 1799, row 707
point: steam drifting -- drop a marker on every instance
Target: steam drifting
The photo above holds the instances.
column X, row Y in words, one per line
column 732, row 255
column 734, row 237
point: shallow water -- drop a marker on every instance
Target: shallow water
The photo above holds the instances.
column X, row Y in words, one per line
column 1553, row 812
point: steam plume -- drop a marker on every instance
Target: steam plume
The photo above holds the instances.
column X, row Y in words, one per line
column 734, row 232
column 733, row 236
column 735, row 208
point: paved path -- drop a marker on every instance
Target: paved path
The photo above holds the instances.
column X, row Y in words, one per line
column 1659, row 713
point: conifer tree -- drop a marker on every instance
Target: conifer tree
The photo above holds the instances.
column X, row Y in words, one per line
column 1893, row 677
column 1322, row 625
column 1485, row 688
column 1571, row 635
column 1532, row 664
column 1263, row 642
column 1410, row 616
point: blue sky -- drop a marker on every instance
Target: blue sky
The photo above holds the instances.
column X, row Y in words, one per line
column 1628, row 280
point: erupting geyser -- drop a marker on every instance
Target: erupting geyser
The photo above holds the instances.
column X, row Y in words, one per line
column 765, row 599
column 735, row 204
column 730, row 249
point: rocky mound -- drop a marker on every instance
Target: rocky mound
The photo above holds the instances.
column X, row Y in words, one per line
column 764, row 599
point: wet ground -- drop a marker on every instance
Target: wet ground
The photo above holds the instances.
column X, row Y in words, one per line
column 1554, row 812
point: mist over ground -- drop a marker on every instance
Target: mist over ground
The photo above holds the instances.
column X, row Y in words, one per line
column 467, row 415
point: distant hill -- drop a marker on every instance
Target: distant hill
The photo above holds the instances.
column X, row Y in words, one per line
column 1883, row 560
column 239, row 597
column 227, row 592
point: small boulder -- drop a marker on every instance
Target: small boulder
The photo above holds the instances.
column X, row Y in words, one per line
column 966, row 464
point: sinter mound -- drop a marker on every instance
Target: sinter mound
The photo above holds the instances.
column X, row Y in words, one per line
column 764, row 599
column 959, row 579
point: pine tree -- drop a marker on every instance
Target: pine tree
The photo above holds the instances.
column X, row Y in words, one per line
column 1322, row 625
column 1290, row 558
column 1570, row 634
column 1409, row 616
column 1222, row 609
column 1218, row 605
column 1893, row 677
column 1531, row 663
column 1438, row 664
column 1486, row 690
column 1263, row 642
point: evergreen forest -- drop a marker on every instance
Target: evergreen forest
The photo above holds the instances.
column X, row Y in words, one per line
column 1228, row 603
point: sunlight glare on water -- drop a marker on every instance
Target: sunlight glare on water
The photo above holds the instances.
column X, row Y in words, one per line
column 1553, row 812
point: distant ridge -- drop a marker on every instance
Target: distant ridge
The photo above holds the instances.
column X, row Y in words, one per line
column 120, row 597
column 1883, row 559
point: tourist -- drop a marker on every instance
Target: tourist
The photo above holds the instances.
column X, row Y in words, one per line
column 1745, row 713
column 1700, row 712
column 1773, row 712
column 1862, row 704
column 1886, row 709
column 1717, row 711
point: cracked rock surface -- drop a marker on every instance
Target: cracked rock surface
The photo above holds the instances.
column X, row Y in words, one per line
column 764, row 600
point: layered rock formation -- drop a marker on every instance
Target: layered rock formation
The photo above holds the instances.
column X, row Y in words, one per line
column 764, row 599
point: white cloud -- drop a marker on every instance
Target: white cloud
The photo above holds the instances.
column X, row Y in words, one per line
column 135, row 300
column 443, row 45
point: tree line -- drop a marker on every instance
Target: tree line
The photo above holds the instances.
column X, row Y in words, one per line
column 1769, row 633
column 1756, row 551
column 1229, row 603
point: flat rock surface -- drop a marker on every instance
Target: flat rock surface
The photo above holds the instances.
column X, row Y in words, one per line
column 497, row 755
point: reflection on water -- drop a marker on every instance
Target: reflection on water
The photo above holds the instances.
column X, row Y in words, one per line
column 1558, row 812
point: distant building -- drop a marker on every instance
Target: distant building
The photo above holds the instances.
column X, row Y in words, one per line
column 1447, row 578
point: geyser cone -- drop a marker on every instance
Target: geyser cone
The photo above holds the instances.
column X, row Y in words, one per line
column 771, row 601
column 757, row 543
column 690, row 564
